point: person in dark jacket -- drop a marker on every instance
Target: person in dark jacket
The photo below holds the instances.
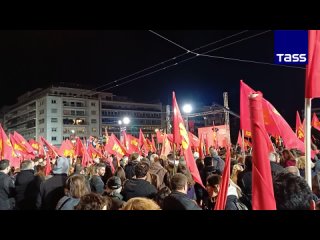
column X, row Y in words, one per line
column 209, row 169
column 113, row 190
column 129, row 168
column 27, row 186
column 276, row 168
column 178, row 199
column 138, row 186
column 52, row 190
column 7, row 189
column 96, row 183
column 245, row 181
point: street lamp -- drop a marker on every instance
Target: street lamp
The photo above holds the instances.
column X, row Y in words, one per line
column 124, row 121
column 187, row 108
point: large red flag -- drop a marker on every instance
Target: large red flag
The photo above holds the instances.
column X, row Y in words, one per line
column 66, row 149
column 27, row 149
column 52, row 150
column 180, row 135
column 133, row 144
column 202, row 152
column 313, row 66
column 239, row 141
column 222, row 196
column 262, row 187
column 274, row 123
column 115, row 147
column 315, row 122
column 6, row 149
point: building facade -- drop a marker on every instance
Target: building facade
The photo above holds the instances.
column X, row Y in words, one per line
column 61, row 112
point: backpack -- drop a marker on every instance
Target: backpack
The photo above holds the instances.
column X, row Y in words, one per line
column 155, row 180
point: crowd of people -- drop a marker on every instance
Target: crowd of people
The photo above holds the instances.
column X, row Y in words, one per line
column 154, row 182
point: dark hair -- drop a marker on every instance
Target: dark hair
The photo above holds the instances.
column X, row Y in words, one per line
column 134, row 156
column 213, row 180
column 162, row 194
column 92, row 201
column 178, row 181
column 98, row 166
column 4, row 164
column 248, row 163
column 208, row 161
column 141, row 170
column 291, row 192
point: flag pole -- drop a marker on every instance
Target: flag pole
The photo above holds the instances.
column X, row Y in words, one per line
column 307, row 140
column 243, row 149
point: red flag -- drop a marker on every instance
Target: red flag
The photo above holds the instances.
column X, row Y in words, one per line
column 222, row 196
column 262, row 186
column 195, row 142
column 300, row 132
column 52, row 150
column 313, row 66
column 93, row 152
column 170, row 138
column 315, row 122
column 34, row 144
column 180, row 135
column 21, row 147
column 66, row 149
column 6, row 149
column 298, row 122
column 133, row 144
column 78, row 148
column 159, row 137
column 151, row 147
column 115, row 147
column 24, row 145
column 245, row 91
column 273, row 121
column 239, row 142
column 166, row 148
column 153, row 144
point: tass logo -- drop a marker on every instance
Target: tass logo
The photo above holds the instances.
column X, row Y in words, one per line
column 291, row 47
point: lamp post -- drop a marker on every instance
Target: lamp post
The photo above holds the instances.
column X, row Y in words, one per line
column 125, row 121
column 187, row 108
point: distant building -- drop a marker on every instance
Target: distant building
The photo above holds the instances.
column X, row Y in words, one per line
column 64, row 111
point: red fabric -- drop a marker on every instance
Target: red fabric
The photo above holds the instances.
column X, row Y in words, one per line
column 239, row 142
column 202, row 153
column 180, row 135
column 133, row 144
column 275, row 124
column 115, row 147
column 262, row 186
column 315, row 122
column 313, row 66
column 300, row 132
column 48, row 167
column 66, row 149
column 195, row 142
column 298, row 122
column 6, row 149
column 21, row 146
column 52, row 151
column 245, row 91
column 93, row 152
column 166, row 148
column 78, row 148
column 34, row 144
column 224, row 185
column 153, row 144
column 159, row 137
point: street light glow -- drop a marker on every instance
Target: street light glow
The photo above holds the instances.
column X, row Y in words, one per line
column 187, row 108
column 126, row 120
column 119, row 122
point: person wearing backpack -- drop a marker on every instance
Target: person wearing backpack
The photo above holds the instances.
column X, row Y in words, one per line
column 157, row 169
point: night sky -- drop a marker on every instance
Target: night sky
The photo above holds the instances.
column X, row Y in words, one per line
column 31, row 59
